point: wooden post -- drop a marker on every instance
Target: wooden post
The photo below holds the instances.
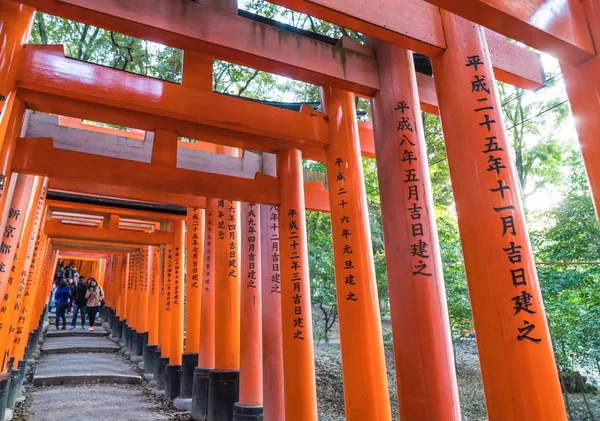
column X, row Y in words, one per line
column 193, row 281
column 517, row 362
column 206, row 354
column 164, row 314
column 251, row 380
column 175, row 304
column 425, row 373
column 273, row 395
column 144, row 293
column 22, row 204
column 25, row 265
column 296, row 313
column 363, row 360
column 153, row 295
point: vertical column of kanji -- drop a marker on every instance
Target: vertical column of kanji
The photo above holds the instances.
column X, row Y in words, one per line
column 11, row 122
column 130, row 298
column 35, row 283
column 124, row 295
column 223, row 387
column 251, row 381
column 151, row 349
column 173, row 374
column 25, row 262
column 363, row 359
column 296, row 313
column 193, row 282
column 425, row 373
column 517, row 362
column 206, row 350
column 164, row 317
column 273, row 401
column 583, row 90
column 20, row 266
column 10, row 238
column 143, row 301
column 44, row 282
column 193, row 301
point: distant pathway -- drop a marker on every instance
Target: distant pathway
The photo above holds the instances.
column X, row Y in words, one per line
column 80, row 376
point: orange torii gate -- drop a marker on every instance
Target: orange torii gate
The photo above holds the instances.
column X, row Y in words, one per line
column 466, row 61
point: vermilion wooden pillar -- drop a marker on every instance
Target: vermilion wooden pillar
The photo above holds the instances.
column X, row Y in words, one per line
column 583, row 89
column 273, row 395
column 193, row 280
column 296, row 314
column 153, row 295
column 143, row 302
column 227, row 313
column 164, row 314
column 517, row 362
column 11, row 121
column 20, row 212
column 251, row 380
column 17, row 338
column 15, row 26
column 363, row 360
column 206, row 350
column 175, row 300
column 425, row 373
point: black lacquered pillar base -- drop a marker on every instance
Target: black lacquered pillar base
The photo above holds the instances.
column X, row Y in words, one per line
column 149, row 358
column 173, row 381
column 4, row 386
column 200, row 394
column 247, row 413
column 188, row 363
column 223, row 393
column 161, row 372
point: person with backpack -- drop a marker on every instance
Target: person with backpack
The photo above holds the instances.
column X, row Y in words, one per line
column 94, row 296
column 79, row 303
column 61, row 297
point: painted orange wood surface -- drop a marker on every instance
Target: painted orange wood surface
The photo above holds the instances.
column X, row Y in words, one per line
column 206, row 353
column 194, row 246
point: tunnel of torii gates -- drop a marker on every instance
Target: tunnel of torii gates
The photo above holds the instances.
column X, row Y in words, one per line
column 161, row 222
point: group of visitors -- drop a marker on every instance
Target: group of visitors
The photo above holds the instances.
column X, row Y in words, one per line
column 85, row 297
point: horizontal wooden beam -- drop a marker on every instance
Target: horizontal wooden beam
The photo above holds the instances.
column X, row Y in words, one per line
column 38, row 156
column 189, row 25
column 56, row 229
column 127, row 193
column 76, row 242
column 102, row 85
column 417, row 26
column 107, row 211
column 559, row 28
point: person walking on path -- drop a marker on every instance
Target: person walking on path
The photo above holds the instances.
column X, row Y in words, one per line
column 61, row 297
column 79, row 303
column 71, row 286
column 94, row 296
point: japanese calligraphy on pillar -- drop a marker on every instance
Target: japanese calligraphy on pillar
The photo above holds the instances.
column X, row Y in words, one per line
column 232, row 265
column 145, row 267
column 414, row 190
column 252, row 245
column 293, row 242
column 155, row 269
column 494, row 159
column 169, row 280
column 177, row 274
column 345, row 232
column 195, row 270
column 273, row 241
column 208, row 249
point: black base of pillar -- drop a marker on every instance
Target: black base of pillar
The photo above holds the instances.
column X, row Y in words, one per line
column 129, row 338
column 223, row 393
column 200, row 394
column 173, row 381
column 161, row 372
column 188, row 363
column 16, row 382
column 142, row 340
column 4, row 386
column 156, row 357
column 149, row 358
column 115, row 328
column 247, row 413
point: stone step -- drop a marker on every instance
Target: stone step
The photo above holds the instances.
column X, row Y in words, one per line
column 98, row 331
column 91, row 403
column 83, row 368
column 78, row 344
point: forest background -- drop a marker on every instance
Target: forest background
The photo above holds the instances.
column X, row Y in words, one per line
column 559, row 210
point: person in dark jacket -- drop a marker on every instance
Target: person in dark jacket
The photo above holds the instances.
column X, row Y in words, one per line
column 61, row 297
column 79, row 303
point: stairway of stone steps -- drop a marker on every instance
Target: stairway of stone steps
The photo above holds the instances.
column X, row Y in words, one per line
column 81, row 376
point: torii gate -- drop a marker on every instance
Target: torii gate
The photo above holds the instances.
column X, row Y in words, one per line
column 512, row 340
